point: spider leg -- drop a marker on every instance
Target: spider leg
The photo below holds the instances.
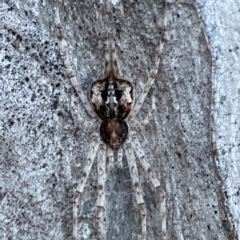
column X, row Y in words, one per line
column 114, row 60
column 111, row 64
column 108, row 66
column 153, row 71
column 111, row 158
column 71, row 76
column 110, row 154
column 141, row 156
column 87, row 125
column 135, row 124
column 136, row 186
column 119, row 159
column 101, row 187
column 82, row 181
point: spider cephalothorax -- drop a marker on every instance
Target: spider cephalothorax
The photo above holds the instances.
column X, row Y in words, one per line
column 112, row 100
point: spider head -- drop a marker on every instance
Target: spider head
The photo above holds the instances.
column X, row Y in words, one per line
column 114, row 133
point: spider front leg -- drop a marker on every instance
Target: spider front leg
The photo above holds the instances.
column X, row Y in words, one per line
column 136, row 186
column 70, row 73
column 94, row 146
column 111, row 64
column 141, row 156
column 153, row 71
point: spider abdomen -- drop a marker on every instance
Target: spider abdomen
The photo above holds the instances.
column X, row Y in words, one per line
column 114, row 133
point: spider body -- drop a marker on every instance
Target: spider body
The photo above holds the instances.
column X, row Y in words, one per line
column 112, row 100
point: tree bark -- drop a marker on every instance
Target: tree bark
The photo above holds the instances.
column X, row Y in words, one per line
column 192, row 143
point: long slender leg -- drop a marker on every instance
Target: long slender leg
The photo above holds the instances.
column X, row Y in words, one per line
column 111, row 158
column 108, row 65
column 71, row 76
column 101, row 187
column 111, row 59
column 119, row 157
column 141, row 156
column 135, row 124
column 88, row 126
column 135, row 180
column 82, row 181
column 114, row 60
column 153, row 71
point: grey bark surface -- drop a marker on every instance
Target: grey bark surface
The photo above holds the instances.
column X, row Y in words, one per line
column 43, row 147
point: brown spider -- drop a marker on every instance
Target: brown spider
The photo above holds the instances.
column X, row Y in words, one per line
column 112, row 100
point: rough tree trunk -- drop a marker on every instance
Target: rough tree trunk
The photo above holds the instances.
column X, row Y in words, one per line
column 192, row 143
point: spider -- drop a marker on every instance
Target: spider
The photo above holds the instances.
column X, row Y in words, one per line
column 112, row 100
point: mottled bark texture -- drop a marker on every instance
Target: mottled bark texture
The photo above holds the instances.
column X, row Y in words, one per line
column 43, row 147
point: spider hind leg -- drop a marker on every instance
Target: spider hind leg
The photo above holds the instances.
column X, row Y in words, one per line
column 159, row 190
column 101, row 189
column 96, row 148
column 82, row 182
column 136, row 186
